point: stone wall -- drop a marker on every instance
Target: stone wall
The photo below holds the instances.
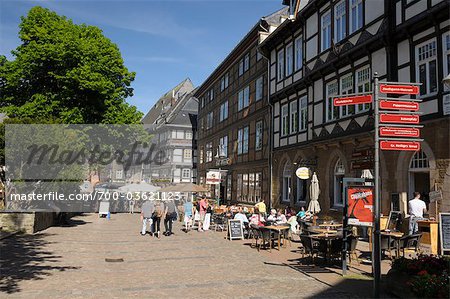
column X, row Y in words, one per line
column 26, row 222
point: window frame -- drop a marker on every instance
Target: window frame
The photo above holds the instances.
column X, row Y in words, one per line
column 293, row 117
column 223, row 111
column 285, row 120
column 329, row 101
column 303, row 107
column 298, row 49
column 426, row 61
column 359, row 15
column 259, row 135
column 244, row 98
column 280, row 64
column 341, row 21
column 324, row 46
column 259, row 88
column 289, row 60
column 347, row 110
column 366, row 87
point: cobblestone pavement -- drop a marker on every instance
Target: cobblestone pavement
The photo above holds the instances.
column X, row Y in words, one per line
column 70, row 261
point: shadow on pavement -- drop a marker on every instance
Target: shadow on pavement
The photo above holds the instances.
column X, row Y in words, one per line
column 25, row 257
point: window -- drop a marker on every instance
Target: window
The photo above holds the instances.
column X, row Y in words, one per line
column 287, row 176
column 298, row 53
column 331, row 91
column 210, row 120
column 223, row 146
column 188, row 135
column 244, row 64
column 259, row 135
column 187, row 154
column 419, row 161
column 446, row 52
column 177, row 134
column 280, row 64
column 339, row 172
column 251, row 187
column 239, row 186
column 201, row 155
column 258, row 178
column 340, row 30
column 356, row 15
column 245, row 186
column 177, row 155
column 211, row 95
column 347, row 88
column 363, row 85
column 326, row 30
column 426, row 70
column 284, row 120
column 186, row 174
column 223, row 111
column 302, row 190
column 294, row 117
column 119, row 174
column 243, row 98
column 303, row 113
column 224, row 82
column 202, row 102
column 243, row 140
column 209, row 153
column 259, row 84
column 289, row 59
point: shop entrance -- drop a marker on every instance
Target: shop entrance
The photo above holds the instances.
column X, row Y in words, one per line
column 419, row 176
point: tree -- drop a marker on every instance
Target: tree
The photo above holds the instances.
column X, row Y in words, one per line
column 65, row 71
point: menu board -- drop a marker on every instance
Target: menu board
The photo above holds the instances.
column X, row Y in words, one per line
column 444, row 228
column 235, row 230
column 394, row 221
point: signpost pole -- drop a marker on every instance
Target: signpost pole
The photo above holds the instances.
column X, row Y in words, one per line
column 376, row 252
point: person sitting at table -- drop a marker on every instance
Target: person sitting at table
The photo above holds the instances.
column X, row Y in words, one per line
column 289, row 212
column 256, row 219
column 301, row 213
column 281, row 218
column 241, row 216
column 292, row 221
column 273, row 215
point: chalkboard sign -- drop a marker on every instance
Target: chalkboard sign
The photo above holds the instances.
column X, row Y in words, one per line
column 394, row 221
column 444, row 229
column 235, row 229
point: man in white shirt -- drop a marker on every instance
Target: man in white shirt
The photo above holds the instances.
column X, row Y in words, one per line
column 416, row 209
column 241, row 216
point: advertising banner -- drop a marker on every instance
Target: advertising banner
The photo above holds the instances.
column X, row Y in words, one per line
column 360, row 205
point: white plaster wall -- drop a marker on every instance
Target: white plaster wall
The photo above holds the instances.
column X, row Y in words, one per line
column 403, row 75
column 318, row 91
column 374, row 9
column 415, row 9
column 429, row 107
column 311, row 48
column 318, row 114
column 311, row 25
column 403, row 52
column 379, row 62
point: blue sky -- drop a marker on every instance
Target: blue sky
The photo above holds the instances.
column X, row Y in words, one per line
column 163, row 41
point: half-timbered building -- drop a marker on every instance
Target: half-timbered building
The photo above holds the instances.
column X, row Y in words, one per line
column 334, row 47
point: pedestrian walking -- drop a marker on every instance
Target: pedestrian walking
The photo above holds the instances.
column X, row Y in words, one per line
column 146, row 215
column 207, row 220
column 188, row 210
column 416, row 209
column 170, row 214
column 202, row 209
column 156, row 217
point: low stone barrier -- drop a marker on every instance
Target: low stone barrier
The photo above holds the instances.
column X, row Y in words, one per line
column 27, row 222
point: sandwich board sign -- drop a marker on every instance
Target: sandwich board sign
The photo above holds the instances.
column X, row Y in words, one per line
column 235, row 229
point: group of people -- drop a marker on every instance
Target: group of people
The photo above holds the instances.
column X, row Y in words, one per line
column 152, row 212
column 199, row 212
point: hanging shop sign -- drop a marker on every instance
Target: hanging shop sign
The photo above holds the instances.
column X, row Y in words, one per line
column 213, row 177
column 302, row 173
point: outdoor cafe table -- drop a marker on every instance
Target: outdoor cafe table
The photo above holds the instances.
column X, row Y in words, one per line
column 396, row 236
column 334, row 225
column 277, row 228
column 322, row 230
column 327, row 237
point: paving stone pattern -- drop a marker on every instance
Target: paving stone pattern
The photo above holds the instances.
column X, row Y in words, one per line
column 69, row 261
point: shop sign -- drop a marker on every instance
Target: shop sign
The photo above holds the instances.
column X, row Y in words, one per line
column 213, row 177
column 302, row 173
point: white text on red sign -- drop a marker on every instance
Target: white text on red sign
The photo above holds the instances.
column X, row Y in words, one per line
column 399, row 118
column 400, row 145
column 363, row 99
column 399, row 105
column 399, row 89
column 399, row 132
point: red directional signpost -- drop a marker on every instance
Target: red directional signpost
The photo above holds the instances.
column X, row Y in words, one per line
column 353, row 100
column 399, row 89
column 400, row 118
column 400, row 145
column 399, row 105
column 399, row 132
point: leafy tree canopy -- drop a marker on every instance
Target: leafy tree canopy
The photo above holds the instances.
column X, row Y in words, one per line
column 65, row 71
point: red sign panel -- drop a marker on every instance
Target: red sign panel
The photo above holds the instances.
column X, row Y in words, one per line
column 399, row 132
column 360, row 206
column 399, row 118
column 364, row 99
column 399, row 89
column 399, row 105
column 400, row 145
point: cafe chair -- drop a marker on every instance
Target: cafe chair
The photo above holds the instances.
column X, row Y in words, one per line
column 336, row 248
column 352, row 241
column 220, row 223
column 410, row 242
column 309, row 247
column 266, row 238
column 387, row 243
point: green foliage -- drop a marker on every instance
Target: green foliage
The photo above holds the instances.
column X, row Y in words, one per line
column 65, row 71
